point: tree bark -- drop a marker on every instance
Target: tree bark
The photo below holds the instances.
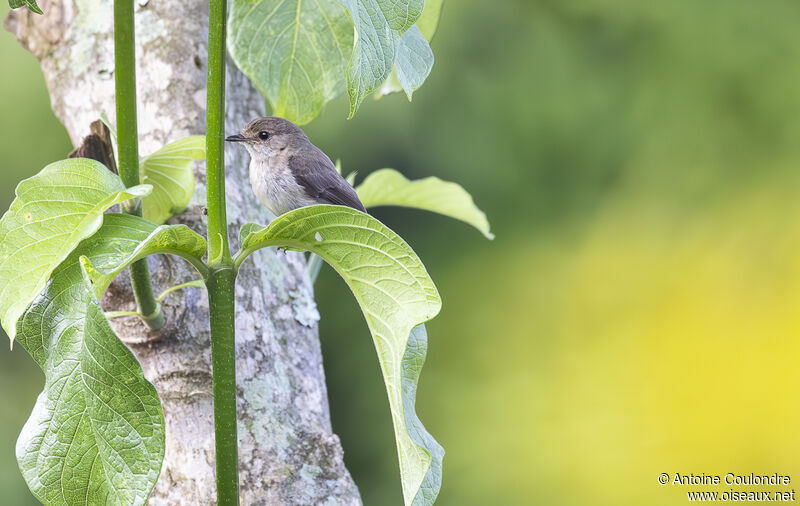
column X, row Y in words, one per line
column 287, row 451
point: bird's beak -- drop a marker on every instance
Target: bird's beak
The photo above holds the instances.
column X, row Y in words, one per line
column 236, row 138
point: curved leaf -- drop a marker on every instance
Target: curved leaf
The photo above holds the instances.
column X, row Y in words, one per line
column 177, row 240
column 169, row 171
column 414, row 358
column 294, row 51
column 387, row 187
column 96, row 433
column 395, row 294
column 379, row 25
column 53, row 211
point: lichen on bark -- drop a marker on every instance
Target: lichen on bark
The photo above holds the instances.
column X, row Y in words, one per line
column 287, row 451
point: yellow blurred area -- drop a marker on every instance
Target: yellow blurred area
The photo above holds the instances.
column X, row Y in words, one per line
column 654, row 343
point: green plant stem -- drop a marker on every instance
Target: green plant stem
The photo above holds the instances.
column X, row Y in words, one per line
column 218, row 250
column 221, row 283
column 222, row 274
column 128, row 146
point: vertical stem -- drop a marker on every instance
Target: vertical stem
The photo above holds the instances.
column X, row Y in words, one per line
column 127, row 138
column 221, row 283
column 147, row 305
column 222, row 275
column 218, row 250
column 125, row 81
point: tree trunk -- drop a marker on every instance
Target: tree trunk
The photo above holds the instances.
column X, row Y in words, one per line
column 287, row 451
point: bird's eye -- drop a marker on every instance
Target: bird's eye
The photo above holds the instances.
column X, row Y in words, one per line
column 263, row 135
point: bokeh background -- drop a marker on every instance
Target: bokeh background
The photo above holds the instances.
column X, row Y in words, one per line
column 639, row 310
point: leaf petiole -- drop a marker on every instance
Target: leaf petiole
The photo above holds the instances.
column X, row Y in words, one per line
column 195, row 283
column 110, row 315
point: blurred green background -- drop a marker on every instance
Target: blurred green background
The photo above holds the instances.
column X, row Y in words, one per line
column 639, row 310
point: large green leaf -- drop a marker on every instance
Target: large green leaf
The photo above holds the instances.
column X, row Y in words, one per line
column 387, row 187
column 294, row 51
column 53, row 211
column 31, row 4
column 379, row 25
column 169, row 171
column 96, row 433
column 396, row 295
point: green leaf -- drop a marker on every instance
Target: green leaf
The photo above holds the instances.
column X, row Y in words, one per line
column 54, row 210
column 396, row 294
column 379, row 25
column 387, row 187
column 169, row 171
column 177, row 240
column 294, row 51
column 414, row 59
column 96, row 433
column 31, row 4
column 413, row 65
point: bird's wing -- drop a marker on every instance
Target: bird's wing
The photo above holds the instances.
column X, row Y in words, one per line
column 315, row 172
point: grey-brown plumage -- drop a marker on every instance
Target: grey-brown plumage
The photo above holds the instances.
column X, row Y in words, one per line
column 287, row 171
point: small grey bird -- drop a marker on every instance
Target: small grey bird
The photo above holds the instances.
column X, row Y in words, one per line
column 287, row 171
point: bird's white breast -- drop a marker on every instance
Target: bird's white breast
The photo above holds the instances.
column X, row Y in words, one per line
column 274, row 184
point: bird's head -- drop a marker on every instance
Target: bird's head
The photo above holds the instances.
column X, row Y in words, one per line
column 268, row 136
